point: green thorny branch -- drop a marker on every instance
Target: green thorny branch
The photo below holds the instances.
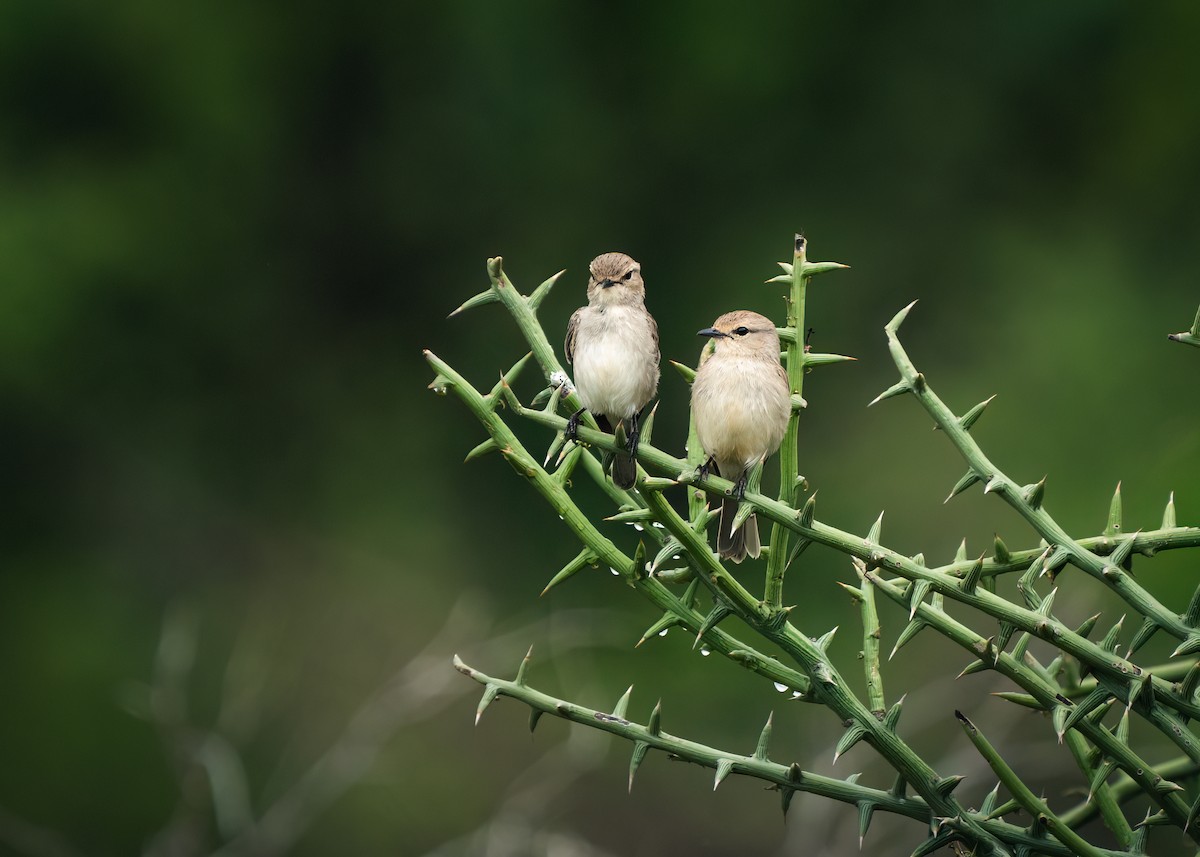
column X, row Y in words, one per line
column 1078, row 688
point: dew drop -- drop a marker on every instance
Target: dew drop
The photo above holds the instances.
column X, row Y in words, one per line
column 796, row 694
column 638, row 527
column 614, row 571
column 705, row 651
column 658, row 525
column 663, row 632
column 782, row 688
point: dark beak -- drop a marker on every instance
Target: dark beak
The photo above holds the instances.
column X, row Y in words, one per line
column 606, row 283
column 710, row 331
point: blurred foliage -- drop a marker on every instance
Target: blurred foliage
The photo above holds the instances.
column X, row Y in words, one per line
column 228, row 229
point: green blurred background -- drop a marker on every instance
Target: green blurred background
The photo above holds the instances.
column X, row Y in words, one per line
column 227, row 230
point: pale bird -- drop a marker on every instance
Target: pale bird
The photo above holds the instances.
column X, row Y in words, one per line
column 613, row 344
column 741, row 402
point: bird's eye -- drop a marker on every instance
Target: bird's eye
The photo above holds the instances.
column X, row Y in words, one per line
column 628, row 276
column 741, row 331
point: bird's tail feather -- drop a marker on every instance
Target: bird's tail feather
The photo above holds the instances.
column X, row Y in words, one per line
column 624, row 470
column 620, row 464
column 736, row 546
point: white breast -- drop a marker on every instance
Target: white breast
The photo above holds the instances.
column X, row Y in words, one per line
column 741, row 409
column 616, row 361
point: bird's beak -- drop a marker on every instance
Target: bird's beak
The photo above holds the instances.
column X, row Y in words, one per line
column 711, row 332
column 606, row 283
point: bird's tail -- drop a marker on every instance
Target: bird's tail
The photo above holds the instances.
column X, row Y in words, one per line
column 621, row 464
column 624, row 470
column 736, row 546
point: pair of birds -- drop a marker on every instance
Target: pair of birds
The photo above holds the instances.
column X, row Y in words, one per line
column 741, row 399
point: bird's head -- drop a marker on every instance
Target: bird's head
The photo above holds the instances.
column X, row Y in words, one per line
column 744, row 333
column 615, row 279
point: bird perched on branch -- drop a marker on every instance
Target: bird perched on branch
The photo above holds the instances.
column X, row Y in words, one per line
column 741, row 402
column 613, row 343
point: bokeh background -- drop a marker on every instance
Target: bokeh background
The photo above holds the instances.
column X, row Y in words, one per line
column 239, row 544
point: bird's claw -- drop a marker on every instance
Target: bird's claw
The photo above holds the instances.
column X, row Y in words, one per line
column 571, row 432
column 739, row 488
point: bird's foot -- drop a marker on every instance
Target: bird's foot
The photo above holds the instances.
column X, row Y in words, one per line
column 635, row 436
column 739, row 488
column 571, row 432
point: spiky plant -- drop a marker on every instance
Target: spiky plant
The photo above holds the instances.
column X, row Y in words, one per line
column 1090, row 690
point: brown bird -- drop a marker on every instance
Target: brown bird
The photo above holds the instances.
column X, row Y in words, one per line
column 741, row 402
column 613, row 343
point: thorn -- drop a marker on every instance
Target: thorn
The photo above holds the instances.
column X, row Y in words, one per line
column 972, row 416
column 1168, row 521
column 973, row 576
column 811, row 269
column 583, row 559
column 490, row 692
column 989, row 802
column 523, row 668
column 1109, row 643
column 764, row 738
column 918, row 591
column 1001, row 552
column 946, row 785
column 715, row 616
column 639, row 754
column 1007, row 629
column 1034, row 494
column 825, row 639
column 669, row 620
column 1144, row 633
column 1085, row 628
column 866, row 809
column 560, row 438
column 481, row 450
column 876, row 528
column 897, row 389
column 898, row 319
column 806, row 513
column 1188, row 647
column 623, row 703
column 851, row 737
column 687, row 372
column 962, row 485
column 911, row 630
column 481, row 299
column 813, row 358
column 539, row 294
column 1114, row 514
column 724, row 768
column 785, row 797
column 655, row 724
column 1123, row 551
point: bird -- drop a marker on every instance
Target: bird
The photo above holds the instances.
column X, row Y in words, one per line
column 741, row 403
column 613, row 344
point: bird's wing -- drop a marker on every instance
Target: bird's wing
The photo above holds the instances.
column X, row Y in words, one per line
column 572, row 332
column 654, row 337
